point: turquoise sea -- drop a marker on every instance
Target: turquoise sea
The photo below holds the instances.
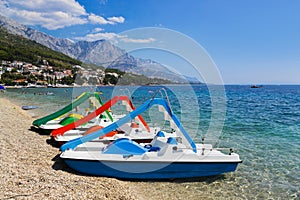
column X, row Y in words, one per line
column 262, row 124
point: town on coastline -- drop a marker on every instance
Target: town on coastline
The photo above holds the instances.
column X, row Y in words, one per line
column 17, row 74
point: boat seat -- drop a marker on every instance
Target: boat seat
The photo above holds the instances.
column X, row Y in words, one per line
column 160, row 134
column 124, row 146
column 159, row 139
column 172, row 140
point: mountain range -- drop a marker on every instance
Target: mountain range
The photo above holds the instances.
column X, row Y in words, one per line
column 100, row 52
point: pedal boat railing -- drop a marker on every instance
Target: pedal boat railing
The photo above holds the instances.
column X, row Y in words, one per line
column 79, row 100
column 186, row 139
column 104, row 107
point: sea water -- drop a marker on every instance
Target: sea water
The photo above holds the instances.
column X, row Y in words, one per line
column 262, row 124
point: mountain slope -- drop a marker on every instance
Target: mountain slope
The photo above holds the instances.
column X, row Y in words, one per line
column 14, row 47
column 99, row 52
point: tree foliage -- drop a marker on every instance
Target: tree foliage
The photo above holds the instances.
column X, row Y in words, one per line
column 67, row 80
column 111, row 70
column 136, row 79
column 110, row 80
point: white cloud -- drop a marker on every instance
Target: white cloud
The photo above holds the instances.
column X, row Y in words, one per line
column 96, row 19
column 97, row 30
column 132, row 40
column 114, row 38
column 116, row 19
column 68, row 6
column 51, row 21
column 98, row 36
column 52, row 14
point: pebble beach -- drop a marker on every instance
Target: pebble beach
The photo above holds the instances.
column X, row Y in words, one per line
column 31, row 167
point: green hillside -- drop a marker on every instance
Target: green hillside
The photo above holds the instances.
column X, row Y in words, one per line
column 136, row 79
column 13, row 47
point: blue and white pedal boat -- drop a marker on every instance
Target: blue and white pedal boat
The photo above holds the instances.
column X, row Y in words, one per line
column 168, row 156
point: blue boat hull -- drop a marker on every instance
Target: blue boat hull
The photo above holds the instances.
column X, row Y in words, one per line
column 144, row 170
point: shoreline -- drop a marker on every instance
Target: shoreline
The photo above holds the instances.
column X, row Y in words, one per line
column 31, row 167
column 78, row 86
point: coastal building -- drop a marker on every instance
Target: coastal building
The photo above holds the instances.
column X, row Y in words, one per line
column 44, row 74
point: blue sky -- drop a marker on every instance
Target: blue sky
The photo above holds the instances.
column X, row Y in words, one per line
column 251, row 42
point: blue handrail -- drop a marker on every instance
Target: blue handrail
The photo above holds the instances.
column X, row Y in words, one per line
column 148, row 104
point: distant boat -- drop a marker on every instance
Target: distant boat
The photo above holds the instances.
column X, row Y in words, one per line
column 51, row 86
column 32, row 85
column 29, row 107
column 49, row 93
column 256, row 86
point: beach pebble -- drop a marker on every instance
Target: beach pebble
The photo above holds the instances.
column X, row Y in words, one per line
column 27, row 166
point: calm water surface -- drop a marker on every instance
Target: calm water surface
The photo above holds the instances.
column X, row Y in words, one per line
column 263, row 124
